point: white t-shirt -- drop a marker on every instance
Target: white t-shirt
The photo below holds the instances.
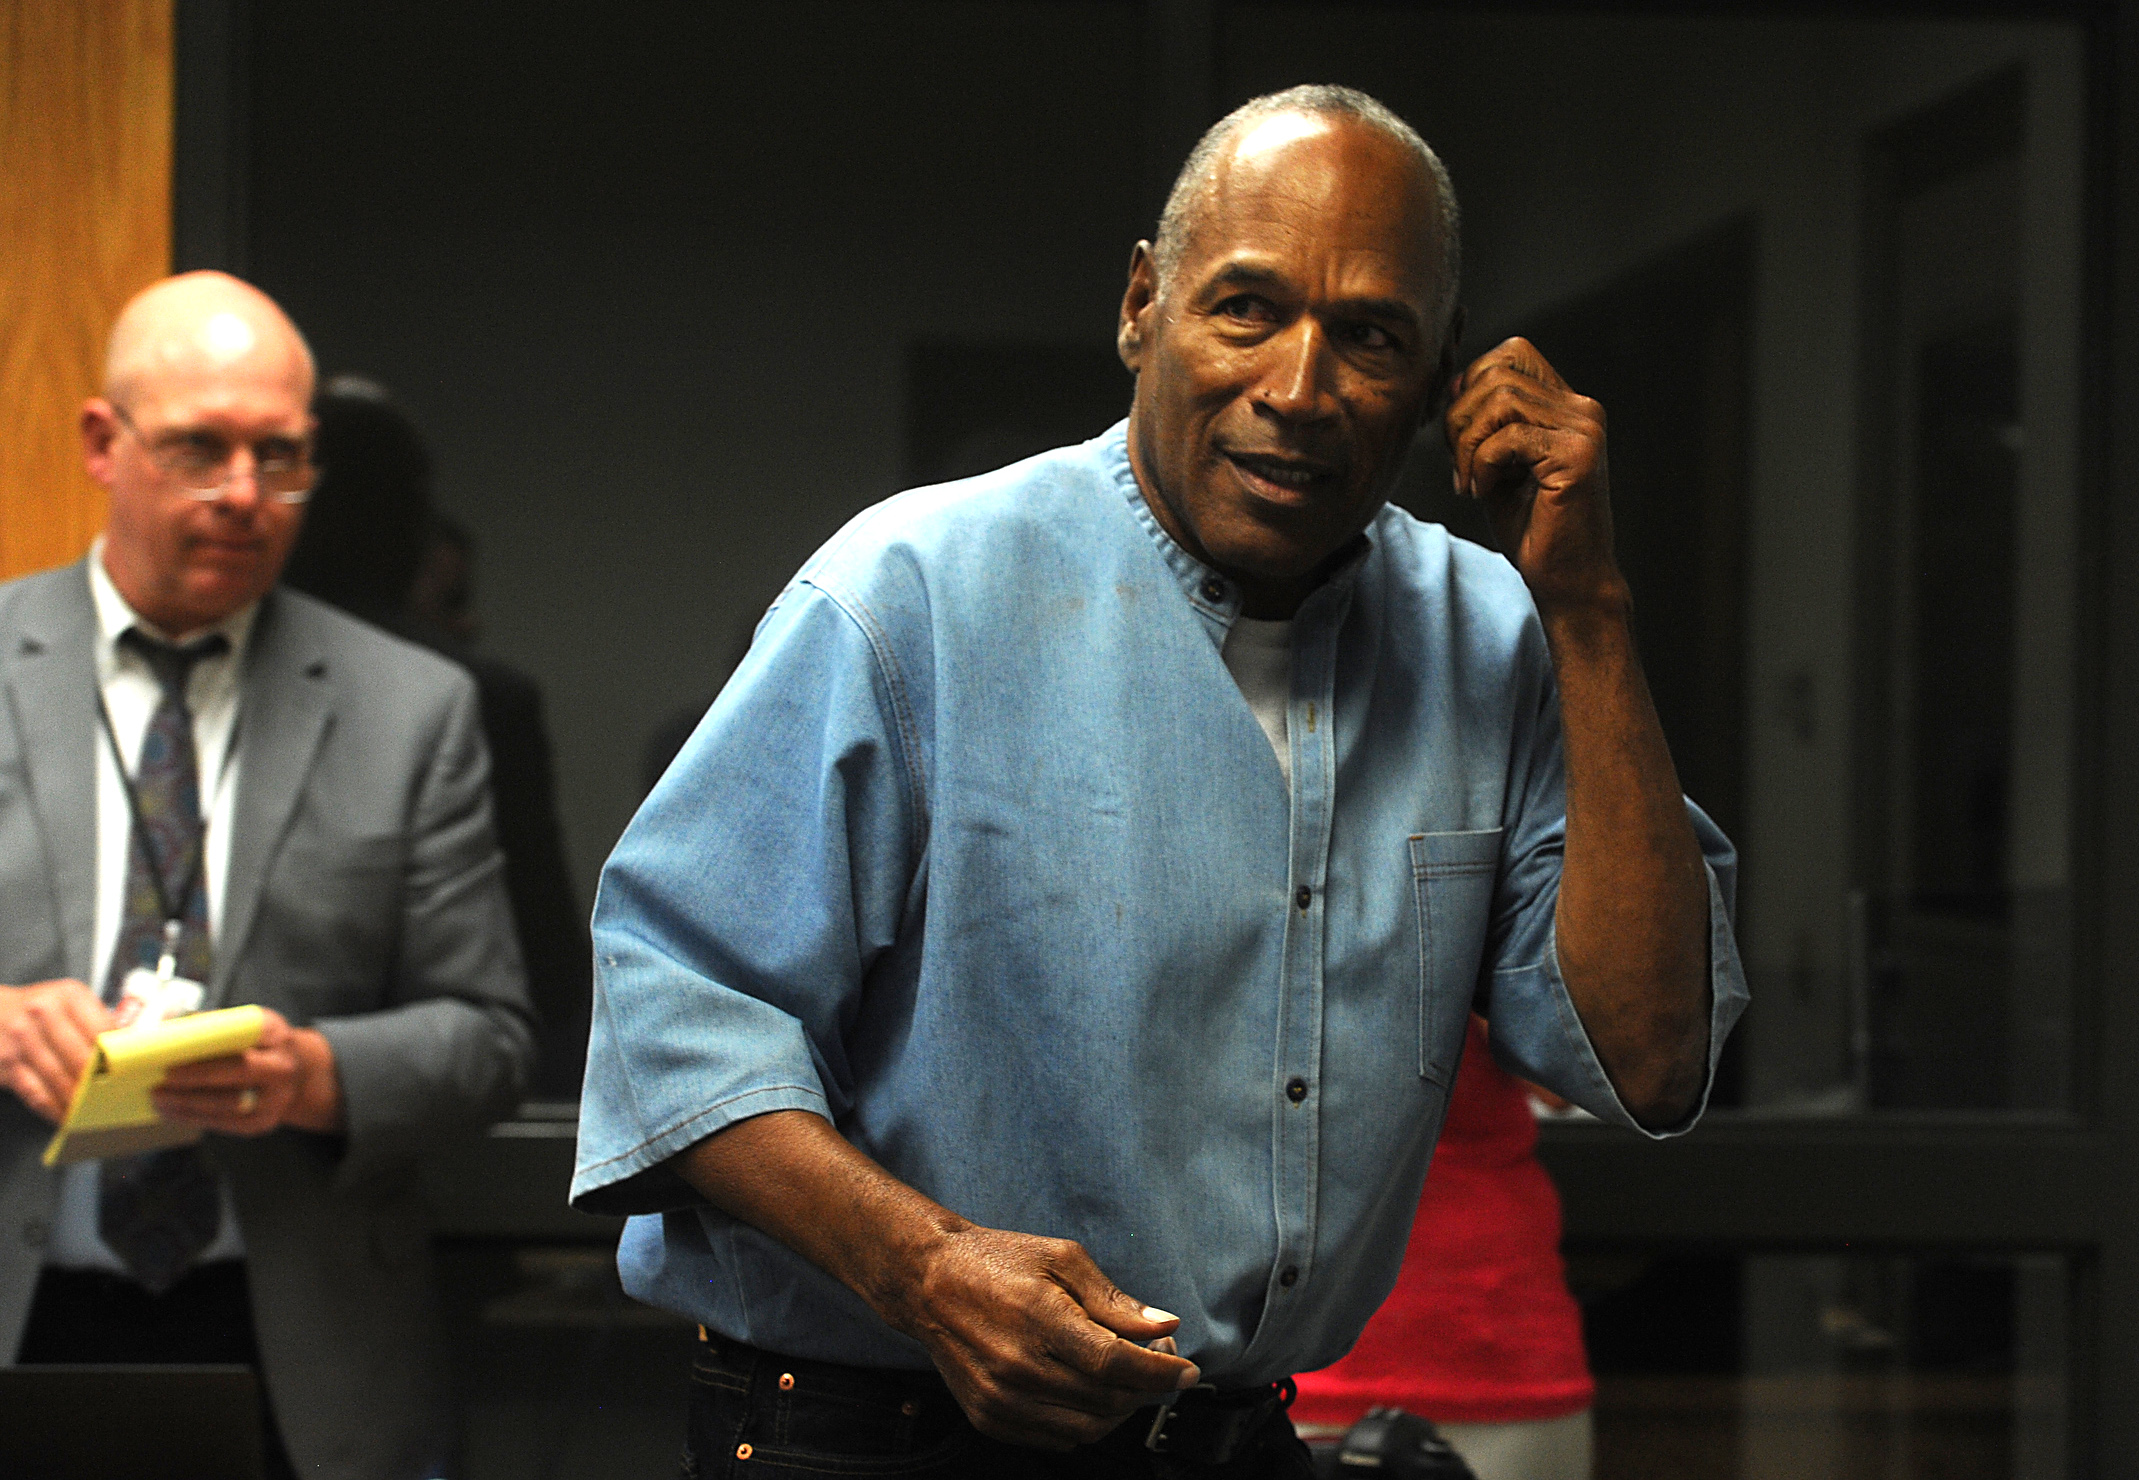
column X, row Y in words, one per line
column 1259, row 656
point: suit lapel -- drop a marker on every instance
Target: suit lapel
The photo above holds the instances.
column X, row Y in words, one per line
column 51, row 676
column 286, row 707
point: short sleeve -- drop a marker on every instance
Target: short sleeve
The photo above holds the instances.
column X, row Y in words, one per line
column 746, row 903
column 1537, row 1033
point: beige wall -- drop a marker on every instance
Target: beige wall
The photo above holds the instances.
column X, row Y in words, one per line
column 85, row 220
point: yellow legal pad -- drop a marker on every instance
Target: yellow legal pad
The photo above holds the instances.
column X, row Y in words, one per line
column 111, row 1113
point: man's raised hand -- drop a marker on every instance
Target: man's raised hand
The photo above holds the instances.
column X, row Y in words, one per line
column 1534, row 451
column 1038, row 1345
column 1632, row 919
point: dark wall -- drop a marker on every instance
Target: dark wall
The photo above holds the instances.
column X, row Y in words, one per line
column 649, row 275
column 677, row 289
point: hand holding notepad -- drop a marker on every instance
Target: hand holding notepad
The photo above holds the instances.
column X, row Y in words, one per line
column 112, row 1114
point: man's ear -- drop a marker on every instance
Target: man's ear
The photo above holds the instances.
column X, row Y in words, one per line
column 100, row 427
column 1444, row 372
column 1137, row 302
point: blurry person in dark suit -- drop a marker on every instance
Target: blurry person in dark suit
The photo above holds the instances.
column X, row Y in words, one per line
column 444, row 592
column 370, row 532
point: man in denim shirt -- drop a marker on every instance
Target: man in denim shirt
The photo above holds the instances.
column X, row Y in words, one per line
column 1082, row 886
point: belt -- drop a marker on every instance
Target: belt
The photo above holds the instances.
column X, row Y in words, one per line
column 1212, row 1425
column 1206, row 1425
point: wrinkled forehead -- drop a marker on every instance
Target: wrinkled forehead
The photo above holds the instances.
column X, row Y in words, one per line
column 1322, row 181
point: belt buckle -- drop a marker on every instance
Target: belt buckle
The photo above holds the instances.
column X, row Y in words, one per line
column 1155, row 1440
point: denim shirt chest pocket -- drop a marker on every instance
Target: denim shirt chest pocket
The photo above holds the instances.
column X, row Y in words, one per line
column 1452, row 878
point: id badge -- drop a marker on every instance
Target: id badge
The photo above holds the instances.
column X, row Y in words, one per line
column 147, row 997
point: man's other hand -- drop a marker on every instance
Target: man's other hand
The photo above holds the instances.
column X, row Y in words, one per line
column 1533, row 451
column 47, row 1032
column 287, row 1078
column 1037, row 1344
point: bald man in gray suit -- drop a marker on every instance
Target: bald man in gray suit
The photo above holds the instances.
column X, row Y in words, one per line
column 301, row 800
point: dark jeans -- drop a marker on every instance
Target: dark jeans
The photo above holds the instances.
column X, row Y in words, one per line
column 755, row 1413
column 83, row 1316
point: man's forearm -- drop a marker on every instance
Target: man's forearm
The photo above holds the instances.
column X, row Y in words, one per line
column 789, row 1174
column 1037, row 1344
column 1633, row 907
column 1034, row 1339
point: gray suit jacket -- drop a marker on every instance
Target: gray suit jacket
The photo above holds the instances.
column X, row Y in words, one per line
column 365, row 898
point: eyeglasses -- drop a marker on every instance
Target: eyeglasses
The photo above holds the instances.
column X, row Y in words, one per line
column 203, row 463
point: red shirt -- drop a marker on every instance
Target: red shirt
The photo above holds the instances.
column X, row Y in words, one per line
column 1480, row 1327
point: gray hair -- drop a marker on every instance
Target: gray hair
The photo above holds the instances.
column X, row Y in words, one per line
column 1195, row 179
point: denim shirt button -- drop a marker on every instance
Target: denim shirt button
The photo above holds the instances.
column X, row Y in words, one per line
column 1296, row 1091
column 1214, row 589
column 1303, row 897
column 1290, row 1276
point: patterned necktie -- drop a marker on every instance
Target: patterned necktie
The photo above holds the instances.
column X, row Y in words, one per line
column 157, row 1211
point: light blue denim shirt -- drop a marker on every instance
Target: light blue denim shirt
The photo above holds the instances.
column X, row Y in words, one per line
column 982, row 855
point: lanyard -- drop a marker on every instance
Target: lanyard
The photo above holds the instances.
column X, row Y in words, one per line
column 173, row 914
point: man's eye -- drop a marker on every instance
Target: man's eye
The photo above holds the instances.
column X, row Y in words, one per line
column 1246, row 307
column 279, row 457
column 199, row 450
column 1372, row 336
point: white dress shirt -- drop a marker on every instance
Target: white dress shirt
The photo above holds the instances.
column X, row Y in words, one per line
column 131, row 694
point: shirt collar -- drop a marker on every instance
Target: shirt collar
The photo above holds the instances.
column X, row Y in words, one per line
column 115, row 615
column 1208, row 590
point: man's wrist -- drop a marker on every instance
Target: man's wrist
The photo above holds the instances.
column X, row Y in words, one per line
column 317, row 1104
column 1597, row 622
column 898, row 1283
